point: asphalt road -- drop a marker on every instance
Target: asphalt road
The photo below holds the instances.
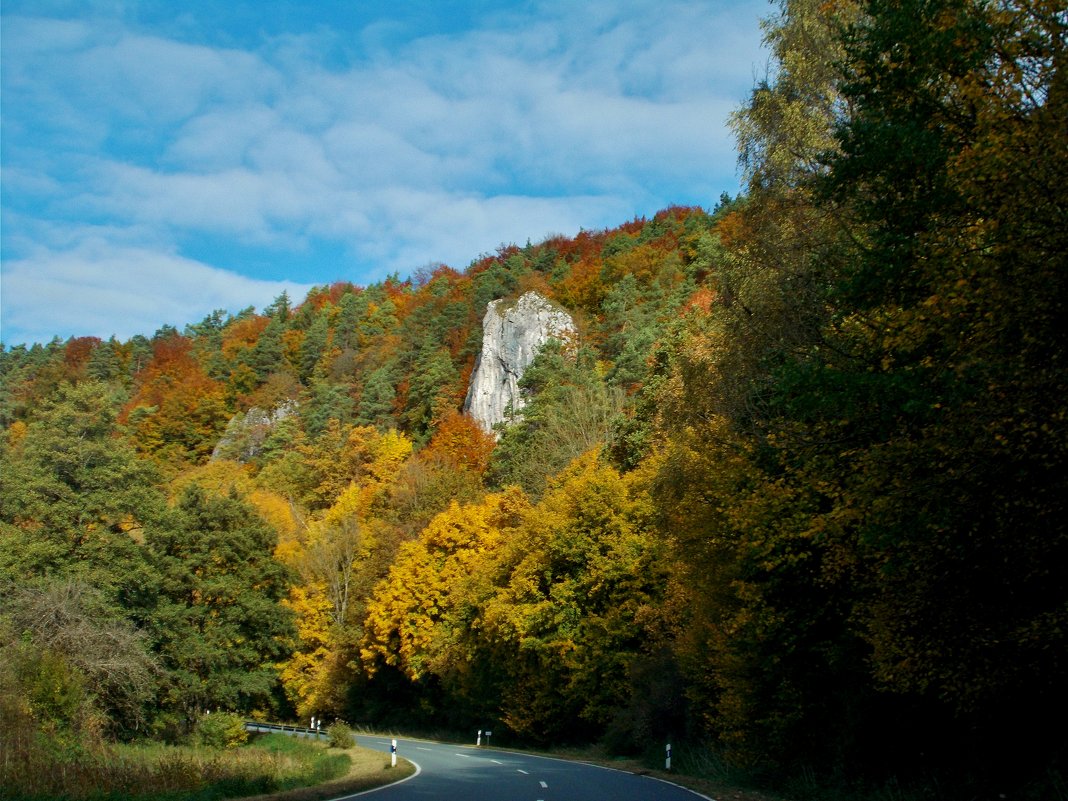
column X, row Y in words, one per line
column 466, row 773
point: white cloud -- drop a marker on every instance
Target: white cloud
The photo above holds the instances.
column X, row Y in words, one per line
column 549, row 118
column 98, row 288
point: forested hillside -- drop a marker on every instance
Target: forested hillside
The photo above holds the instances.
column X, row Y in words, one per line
column 796, row 495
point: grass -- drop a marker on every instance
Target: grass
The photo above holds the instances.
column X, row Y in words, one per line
column 273, row 766
column 368, row 769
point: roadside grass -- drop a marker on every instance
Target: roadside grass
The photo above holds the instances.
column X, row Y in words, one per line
column 271, row 766
column 368, row 769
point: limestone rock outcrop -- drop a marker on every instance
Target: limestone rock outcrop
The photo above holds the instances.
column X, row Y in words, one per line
column 512, row 335
column 246, row 433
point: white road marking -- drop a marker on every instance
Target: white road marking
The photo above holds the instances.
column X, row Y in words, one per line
column 465, row 756
column 496, row 762
column 523, row 771
column 418, row 748
column 544, row 786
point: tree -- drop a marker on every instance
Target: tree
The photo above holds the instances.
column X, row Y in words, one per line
column 787, row 128
column 177, row 413
column 461, row 442
column 377, row 398
column 569, row 411
column 104, row 362
column 845, row 426
column 424, row 618
column 580, row 580
column 952, row 168
column 73, row 621
column 218, row 623
column 313, row 346
column 433, row 389
column 76, row 499
column 267, row 355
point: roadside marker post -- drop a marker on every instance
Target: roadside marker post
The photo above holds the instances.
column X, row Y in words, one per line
column 667, row 760
column 393, row 753
column 478, row 740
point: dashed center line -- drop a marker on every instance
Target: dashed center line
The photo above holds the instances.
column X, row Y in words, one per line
column 544, row 786
column 419, row 748
column 465, row 756
column 522, row 771
column 496, row 762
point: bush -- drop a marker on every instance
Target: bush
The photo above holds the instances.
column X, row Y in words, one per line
column 341, row 736
column 221, row 730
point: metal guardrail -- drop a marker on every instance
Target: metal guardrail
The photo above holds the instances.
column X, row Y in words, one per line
column 283, row 728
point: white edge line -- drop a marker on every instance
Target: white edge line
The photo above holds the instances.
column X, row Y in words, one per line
column 418, row 770
column 681, row 787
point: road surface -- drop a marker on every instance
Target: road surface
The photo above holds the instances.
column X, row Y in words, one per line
column 466, row 773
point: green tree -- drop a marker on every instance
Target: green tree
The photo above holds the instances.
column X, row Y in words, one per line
column 105, row 363
column 313, row 346
column 75, row 498
column 267, row 355
column 569, row 411
column 326, row 401
column 846, row 426
column 218, row 623
column 377, row 398
column 432, row 391
column 581, row 579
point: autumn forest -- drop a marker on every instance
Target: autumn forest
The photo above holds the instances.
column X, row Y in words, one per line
column 795, row 494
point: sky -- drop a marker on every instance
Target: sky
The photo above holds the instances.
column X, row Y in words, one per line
column 161, row 160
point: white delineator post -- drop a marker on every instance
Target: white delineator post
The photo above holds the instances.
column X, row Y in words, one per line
column 393, row 753
column 667, row 759
column 478, row 740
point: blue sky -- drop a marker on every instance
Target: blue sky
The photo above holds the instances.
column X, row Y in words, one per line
column 161, row 160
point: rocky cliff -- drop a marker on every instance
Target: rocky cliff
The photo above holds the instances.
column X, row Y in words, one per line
column 512, row 335
column 246, row 433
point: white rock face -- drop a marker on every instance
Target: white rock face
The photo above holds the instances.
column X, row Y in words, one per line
column 512, row 335
column 246, row 433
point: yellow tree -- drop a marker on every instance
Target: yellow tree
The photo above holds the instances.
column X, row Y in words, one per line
column 583, row 582
column 424, row 619
column 342, row 552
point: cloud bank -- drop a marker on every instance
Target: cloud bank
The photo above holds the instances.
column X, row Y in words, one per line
column 153, row 172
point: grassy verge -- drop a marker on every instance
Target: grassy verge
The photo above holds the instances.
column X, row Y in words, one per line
column 274, row 766
column 367, row 769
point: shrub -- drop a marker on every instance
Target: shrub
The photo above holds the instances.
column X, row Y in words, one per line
column 221, row 730
column 341, row 736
